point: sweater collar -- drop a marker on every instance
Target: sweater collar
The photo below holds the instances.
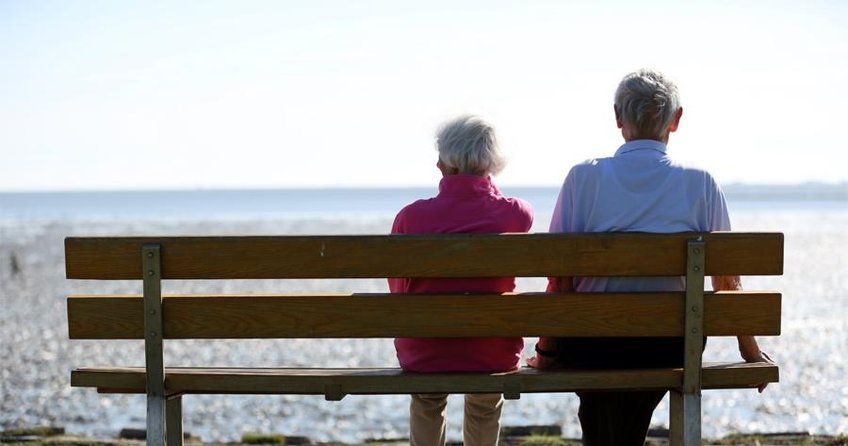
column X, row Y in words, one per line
column 467, row 185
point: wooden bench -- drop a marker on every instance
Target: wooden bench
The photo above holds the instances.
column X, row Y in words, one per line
column 154, row 317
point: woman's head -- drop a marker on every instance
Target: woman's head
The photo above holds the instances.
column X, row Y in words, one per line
column 467, row 146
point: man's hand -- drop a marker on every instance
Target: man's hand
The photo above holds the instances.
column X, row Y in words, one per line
column 541, row 362
column 546, row 354
column 750, row 351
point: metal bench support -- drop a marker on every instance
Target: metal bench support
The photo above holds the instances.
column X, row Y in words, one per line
column 174, row 420
column 685, row 409
column 153, row 354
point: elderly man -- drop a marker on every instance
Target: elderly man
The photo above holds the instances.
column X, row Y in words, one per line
column 639, row 189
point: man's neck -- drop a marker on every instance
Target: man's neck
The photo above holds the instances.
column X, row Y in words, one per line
column 663, row 140
column 630, row 136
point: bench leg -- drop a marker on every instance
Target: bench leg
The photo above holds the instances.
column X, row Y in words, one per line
column 685, row 419
column 174, row 421
column 155, row 420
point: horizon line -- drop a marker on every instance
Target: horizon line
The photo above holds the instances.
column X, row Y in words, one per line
column 256, row 188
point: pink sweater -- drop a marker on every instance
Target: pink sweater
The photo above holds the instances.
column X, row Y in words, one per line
column 465, row 204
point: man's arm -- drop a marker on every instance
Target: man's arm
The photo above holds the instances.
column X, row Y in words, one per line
column 748, row 347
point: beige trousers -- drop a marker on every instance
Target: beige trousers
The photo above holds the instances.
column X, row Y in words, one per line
column 481, row 426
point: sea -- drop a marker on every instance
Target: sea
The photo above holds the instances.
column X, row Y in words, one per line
column 36, row 357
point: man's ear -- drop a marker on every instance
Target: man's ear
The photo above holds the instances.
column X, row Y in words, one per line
column 618, row 121
column 675, row 122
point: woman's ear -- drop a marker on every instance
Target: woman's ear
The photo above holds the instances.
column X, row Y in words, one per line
column 442, row 168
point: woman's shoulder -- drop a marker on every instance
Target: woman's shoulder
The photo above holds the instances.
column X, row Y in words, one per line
column 519, row 204
column 521, row 212
column 413, row 215
column 418, row 206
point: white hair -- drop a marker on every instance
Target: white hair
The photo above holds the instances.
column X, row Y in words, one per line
column 646, row 102
column 468, row 146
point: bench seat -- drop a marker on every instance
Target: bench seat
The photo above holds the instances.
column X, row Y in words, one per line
column 334, row 383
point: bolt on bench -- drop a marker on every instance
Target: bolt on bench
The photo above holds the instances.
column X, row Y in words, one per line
column 153, row 317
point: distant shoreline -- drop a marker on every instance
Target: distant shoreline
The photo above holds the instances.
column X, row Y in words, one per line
column 800, row 192
column 339, row 202
column 836, row 189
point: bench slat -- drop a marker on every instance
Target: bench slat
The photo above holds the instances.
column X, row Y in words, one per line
column 353, row 315
column 395, row 381
column 458, row 255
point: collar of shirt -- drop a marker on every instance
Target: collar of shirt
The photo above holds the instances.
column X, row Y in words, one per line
column 642, row 146
column 467, row 186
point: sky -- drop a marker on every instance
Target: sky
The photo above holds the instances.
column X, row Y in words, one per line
column 106, row 95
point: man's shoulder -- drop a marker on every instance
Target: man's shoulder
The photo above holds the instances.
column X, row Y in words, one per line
column 692, row 170
column 589, row 166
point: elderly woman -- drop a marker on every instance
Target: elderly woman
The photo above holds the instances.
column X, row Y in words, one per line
column 468, row 202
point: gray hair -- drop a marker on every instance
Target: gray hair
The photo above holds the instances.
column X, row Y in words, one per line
column 468, row 145
column 646, row 102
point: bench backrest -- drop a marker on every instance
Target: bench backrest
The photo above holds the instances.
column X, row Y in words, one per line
column 153, row 259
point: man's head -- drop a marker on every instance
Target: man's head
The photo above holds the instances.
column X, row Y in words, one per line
column 647, row 106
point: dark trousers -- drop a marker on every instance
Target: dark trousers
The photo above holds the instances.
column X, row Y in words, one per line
column 618, row 418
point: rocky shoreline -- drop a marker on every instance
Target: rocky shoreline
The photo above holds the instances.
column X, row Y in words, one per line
column 549, row 435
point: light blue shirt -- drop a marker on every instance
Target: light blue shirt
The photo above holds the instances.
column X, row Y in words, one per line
column 640, row 189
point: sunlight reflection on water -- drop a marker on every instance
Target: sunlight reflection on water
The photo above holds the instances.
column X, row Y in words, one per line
column 36, row 355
